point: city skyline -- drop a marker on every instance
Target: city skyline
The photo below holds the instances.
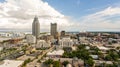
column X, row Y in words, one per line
column 59, row 33
column 78, row 15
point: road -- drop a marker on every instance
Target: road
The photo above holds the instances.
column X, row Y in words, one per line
column 34, row 62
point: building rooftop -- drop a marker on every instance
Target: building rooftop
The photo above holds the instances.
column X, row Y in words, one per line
column 102, row 61
column 102, row 48
column 3, row 39
column 56, row 52
column 11, row 63
column 94, row 56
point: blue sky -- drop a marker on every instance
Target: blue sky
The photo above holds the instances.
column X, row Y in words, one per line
column 78, row 8
column 70, row 15
column 2, row 0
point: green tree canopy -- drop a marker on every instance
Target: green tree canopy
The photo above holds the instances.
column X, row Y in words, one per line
column 65, row 63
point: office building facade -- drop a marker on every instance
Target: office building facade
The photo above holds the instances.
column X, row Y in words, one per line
column 36, row 27
column 53, row 30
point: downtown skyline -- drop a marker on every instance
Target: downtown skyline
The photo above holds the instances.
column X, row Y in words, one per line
column 72, row 15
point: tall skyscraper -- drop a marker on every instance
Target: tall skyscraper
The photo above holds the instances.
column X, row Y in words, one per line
column 36, row 27
column 53, row 29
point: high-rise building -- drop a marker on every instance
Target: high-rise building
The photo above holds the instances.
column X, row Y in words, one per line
column 53, row 29
column 36, row 27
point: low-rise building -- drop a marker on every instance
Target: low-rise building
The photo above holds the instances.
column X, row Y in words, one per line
column 31, row 39
column 12, row 34
column 55, row 53
column 75, row 62
column 69, row 65
column 94, row 56
column 1, row 48
column 66, row 42
column 4, row 39
column 42, row 44
column 100, row 62
column 102, row 48
column 75, row 41
column 11, row 63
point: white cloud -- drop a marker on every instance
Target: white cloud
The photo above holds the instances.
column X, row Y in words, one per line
column 103, row 20
column 19, row 14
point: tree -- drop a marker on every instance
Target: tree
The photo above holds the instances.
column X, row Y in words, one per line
column 108, row 57
column 101, row 56
column 39, row 61
column 82, row 46
column 81, row 53
column 115, row 64
column 89, row 62
column 65, row 63
column 25, row 62
column 56, row 64
column 114, row 41
column 118, row 48
column 49, row 61
column 112, row 55
column 67, row 49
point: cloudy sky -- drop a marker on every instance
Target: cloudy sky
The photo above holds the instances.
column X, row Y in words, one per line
column 70, row 15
